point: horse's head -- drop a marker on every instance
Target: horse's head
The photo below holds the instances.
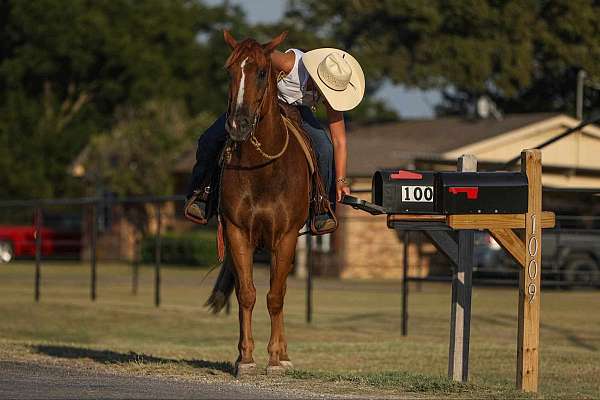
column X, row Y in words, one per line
column 250, row 74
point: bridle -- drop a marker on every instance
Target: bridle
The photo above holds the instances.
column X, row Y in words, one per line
column 257, row 116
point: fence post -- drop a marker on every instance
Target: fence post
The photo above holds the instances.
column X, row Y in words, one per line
column 93, row 250
column 309, row 270
column 419, row 245
column 38, row 250
column 135, row 267
column 460, row 312
column 157, row 256
column 405, row 284
column 528, row 334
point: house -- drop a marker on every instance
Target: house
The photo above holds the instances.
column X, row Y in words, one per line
column 364, row 248
column 571, row 175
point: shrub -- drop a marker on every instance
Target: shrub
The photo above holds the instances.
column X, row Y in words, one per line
column 191, row 248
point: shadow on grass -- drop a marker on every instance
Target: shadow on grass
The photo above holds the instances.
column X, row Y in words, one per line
column 569, row 334
column 113, row 357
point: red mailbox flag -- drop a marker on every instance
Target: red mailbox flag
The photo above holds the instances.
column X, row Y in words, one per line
column 471, row 191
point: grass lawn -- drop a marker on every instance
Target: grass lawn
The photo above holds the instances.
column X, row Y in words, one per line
column 352, row 346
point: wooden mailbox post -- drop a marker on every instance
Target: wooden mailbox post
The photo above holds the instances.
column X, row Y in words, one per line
column 458, row 246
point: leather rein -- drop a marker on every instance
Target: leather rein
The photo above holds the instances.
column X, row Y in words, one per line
column 253, row 139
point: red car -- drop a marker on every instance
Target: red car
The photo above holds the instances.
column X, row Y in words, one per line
column 19, row 241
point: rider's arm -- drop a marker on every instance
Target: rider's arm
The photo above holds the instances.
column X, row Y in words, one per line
column 283, row 61
column 337, row 128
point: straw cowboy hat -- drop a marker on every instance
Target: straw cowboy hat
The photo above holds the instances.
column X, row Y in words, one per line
column 338, row 76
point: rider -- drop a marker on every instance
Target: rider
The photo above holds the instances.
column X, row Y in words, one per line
column 325, row 75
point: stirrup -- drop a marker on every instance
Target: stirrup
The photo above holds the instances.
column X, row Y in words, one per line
column 187, row 211
column 324, row 223
column 314, row 215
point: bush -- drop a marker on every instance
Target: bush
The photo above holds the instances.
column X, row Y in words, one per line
column 191, row 248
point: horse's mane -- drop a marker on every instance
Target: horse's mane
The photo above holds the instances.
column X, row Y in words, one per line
column 247, row 48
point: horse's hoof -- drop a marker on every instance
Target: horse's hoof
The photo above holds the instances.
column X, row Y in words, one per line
column 245, row 369
column 275, row 370
column 287, row 365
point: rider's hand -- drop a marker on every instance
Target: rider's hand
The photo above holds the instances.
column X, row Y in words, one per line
column 341, row 188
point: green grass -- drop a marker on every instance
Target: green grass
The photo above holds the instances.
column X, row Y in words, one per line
column 405, row 381
column 352, row 346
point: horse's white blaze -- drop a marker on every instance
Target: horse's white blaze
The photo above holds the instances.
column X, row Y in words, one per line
column 240, row 94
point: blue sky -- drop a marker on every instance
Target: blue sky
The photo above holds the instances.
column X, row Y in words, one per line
column 410, row 103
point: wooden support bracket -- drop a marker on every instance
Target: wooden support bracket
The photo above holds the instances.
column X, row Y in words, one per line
column 474, row 221
column 446, row 242
column 510, row 242
column 497, row 221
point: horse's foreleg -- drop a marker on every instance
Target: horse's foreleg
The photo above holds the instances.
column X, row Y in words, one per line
column 241, row 253
column 281, row 262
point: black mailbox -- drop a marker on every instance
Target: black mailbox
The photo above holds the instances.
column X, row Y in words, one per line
column 405, row 192
column 482, row 192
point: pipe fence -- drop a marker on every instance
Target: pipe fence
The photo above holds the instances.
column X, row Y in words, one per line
column 77, row 228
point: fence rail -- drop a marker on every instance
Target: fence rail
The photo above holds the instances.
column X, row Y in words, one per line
column 91, row 211
column 33, row 242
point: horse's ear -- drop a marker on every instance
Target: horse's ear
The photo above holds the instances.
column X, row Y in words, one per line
column 229, row 39
column 272, row 45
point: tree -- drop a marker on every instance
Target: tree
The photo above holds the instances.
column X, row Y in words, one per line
column 67, row 67
column 521, row 53
column 136, row 156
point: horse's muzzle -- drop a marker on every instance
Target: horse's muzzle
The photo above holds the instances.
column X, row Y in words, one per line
column 239, row 128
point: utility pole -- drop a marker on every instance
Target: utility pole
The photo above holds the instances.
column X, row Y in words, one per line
column 581, row 75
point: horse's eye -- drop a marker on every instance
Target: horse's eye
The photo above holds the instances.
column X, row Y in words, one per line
column 262, row 74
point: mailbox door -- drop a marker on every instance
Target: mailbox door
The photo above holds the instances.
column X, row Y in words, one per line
column 405, row 192
column 483, row 192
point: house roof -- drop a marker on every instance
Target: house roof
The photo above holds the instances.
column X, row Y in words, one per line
column 398, row 144
column 371, row 147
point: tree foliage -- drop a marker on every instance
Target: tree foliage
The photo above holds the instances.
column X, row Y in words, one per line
column 67, row 67
column 83, row 71
column 522, row 53
column 136, row 156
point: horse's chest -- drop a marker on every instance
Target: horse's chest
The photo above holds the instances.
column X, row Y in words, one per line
column 262, row 200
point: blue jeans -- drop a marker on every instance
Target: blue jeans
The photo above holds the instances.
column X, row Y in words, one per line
column 208, row 150
column 212, row 141
column 323, row 148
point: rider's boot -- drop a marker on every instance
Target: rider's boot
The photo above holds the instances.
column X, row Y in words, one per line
column 324, row 223
column 196, row 208
column 323, row 220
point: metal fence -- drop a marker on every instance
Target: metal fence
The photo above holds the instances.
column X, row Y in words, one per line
column 571, row 256
column 77, row 228
column 570, row 259
column 62, row 228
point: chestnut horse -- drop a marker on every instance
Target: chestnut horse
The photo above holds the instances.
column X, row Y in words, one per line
column 264, row 196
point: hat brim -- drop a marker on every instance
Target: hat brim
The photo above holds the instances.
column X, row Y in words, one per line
column 339, row 100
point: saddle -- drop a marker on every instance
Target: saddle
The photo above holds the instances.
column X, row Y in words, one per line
column 319, row 201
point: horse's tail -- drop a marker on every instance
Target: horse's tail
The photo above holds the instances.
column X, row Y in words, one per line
column 223, row 288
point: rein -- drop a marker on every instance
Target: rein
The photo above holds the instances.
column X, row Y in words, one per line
column 258, row 145
column 253, row 139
